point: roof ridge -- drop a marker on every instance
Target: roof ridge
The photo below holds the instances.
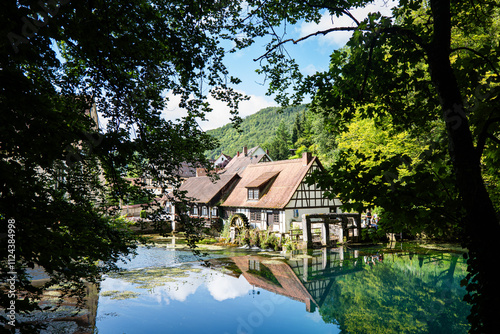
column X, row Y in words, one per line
column 276, row 162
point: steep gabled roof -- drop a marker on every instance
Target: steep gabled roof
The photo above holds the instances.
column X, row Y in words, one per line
column 222, row 160
column 228, row 157
column 288, row 175
column 288, row 283
column 240, row 161
column 203, row 189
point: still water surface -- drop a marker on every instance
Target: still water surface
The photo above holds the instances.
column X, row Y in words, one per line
column 341, row 290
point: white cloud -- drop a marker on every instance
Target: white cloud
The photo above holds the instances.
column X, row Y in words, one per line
column 178, row 290
column 181, row 290
column 309, row 69
column 226, row 287
column 340, row 38
column 220, row 114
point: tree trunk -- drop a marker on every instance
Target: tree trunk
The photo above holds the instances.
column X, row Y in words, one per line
column 480, row 226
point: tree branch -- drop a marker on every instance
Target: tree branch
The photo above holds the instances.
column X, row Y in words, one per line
column 336, row 9
column 394, row 29
column 295, row 41
column 480, row 55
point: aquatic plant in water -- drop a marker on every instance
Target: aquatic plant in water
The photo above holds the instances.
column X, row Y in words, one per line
column 148, row 278
column 120, row 295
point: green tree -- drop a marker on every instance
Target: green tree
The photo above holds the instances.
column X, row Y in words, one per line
column 413, row 69
column 297, row 128
column 253, row 130
column 60, row 176
column 279, row 147
column 381, row 160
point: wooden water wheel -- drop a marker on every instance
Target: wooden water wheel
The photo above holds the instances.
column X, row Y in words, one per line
column 239, row 220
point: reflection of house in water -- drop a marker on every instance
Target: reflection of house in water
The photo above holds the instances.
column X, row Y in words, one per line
column 303, row 278
column 274, row 276
column 318, row 273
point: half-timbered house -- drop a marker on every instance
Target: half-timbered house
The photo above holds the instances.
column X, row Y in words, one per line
column 274, row 195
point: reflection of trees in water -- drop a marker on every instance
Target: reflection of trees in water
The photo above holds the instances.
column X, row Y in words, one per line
column 364, row 292
column 401, row 294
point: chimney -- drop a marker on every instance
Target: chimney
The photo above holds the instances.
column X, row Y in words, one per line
column 267, row 151
column 245, row 150
column 238, row 154
column 201, row 172
column 306, row 158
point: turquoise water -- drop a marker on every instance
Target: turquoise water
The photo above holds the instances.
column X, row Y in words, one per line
column 370, row 290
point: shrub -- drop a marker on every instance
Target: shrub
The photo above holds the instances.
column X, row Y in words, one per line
column 243, row 237
column 226, row 232
column 207, row 241
column 289, row 245
column 255, row 238
column 218, row 225
column 270, row 241
column 373, row 234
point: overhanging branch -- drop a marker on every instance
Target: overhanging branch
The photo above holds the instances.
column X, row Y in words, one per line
column 295, row 41
column 480, row 55
column 336, row 9
column 391, row 30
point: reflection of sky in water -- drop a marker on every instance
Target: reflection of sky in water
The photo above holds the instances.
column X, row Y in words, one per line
column 206, row 301
column 219, row 285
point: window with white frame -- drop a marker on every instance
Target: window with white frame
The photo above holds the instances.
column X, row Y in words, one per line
column 253, row 193
column 204, row 211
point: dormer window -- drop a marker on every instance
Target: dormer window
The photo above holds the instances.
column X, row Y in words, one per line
column 253, row 193
column 257, row 188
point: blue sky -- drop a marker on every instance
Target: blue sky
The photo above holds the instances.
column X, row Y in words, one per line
column 312, row 55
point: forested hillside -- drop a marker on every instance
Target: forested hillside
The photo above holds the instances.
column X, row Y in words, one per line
column 256, row 129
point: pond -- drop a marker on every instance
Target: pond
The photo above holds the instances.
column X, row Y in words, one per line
column 406, row 289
